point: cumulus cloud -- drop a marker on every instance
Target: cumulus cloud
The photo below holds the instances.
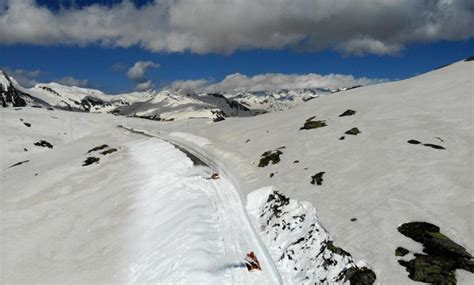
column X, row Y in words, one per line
column 272, row 81
column 138, row 70
column 202, row 26
column 144, row 86
column 193, row 85
column 26, row 78
column 71, row 81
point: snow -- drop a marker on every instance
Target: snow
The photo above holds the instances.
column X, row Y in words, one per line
column 296, row 239
column 179, row 105
column 104, row 222
column 196, row 140
column 142, row 214
column 4, row 80
column 277, row 100
column 376, row 176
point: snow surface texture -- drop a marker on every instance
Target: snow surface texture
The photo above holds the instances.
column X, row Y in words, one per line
column 299, row 244
column 375, row 177
column 144, row 213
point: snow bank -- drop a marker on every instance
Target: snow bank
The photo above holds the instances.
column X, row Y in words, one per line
column 196, row 140
column 300, row 246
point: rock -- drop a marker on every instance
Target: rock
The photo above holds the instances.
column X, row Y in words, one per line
column 90, row 160
column 353, row 219
column 413, row 142
column 98, row 148
column 310, row 124
column 218, row 119
column 443, row 255
column 471, row 58
column 342, row 138
column 348, row 112
column 109, row 151
column 353, row 131
column 272, row 156
column 360, row 276
column 429, row 269
column 337, row 250
column 400, row 251
column 435, row 146
column 317, row 178
column 43, row 144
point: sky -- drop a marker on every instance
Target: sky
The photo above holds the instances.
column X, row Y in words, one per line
column 221, row 45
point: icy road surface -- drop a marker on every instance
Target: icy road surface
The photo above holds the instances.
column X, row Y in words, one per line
column 145, row 213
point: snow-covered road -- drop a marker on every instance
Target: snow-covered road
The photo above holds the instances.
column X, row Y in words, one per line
column 228, row 229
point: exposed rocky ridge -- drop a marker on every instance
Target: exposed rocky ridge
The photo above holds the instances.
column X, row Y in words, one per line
column 11, row 96
column 300, row 246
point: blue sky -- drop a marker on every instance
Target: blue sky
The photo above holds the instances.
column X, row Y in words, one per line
column 105, row 65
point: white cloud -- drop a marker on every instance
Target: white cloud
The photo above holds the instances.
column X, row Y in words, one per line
column 138, row 70
column 193, row 85
column 71, row 81
column 144, row 86
column 272, row 81
column 202, row 26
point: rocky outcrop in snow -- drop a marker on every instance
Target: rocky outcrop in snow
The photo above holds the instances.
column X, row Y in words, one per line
column 300, row 246
column 12, row 96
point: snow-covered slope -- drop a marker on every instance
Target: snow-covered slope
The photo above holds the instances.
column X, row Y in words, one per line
column 84, row 201
column 377, row 157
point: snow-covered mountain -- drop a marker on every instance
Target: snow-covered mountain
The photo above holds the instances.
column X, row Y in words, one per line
column 12, row 95
column 74, row 98
column 278, row 100
column 164, row 105
column 369, row 186
column 169, row 106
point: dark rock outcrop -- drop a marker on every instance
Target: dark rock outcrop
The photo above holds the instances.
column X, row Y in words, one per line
column 43, row 143
column 317, row 178
column 109, row 151
column 353, row 132
column 442, row 255
column 100, row 147
column 272, row 156
column 311, row 124
column 90, row 160
column 348, row 112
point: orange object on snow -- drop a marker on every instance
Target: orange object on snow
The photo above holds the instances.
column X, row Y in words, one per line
column 251, row 262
